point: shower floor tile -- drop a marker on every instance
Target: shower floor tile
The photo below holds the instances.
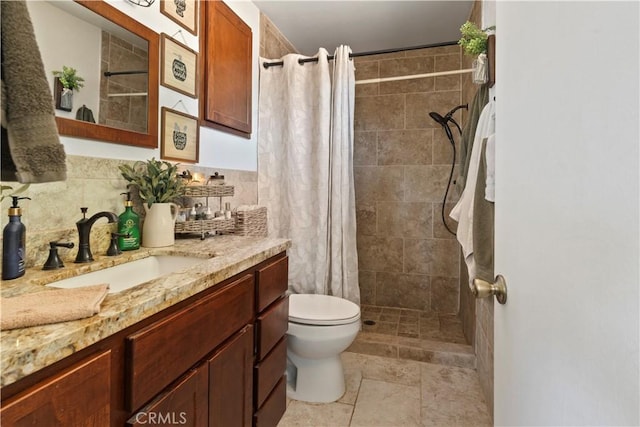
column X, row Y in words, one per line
column 414, row 335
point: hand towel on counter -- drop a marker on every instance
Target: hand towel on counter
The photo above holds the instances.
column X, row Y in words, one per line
column 463, row 211
column 51, row 306
column 31, row 148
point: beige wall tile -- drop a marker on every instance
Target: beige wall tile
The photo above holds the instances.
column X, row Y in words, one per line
column 442, row 50
column 405, row 147
column 367, row 70
column 447, row 62
column 446, row 258
column 420, row 104
column 365, row 148
column 380, row 254
column 426, row 84
column 419, row 256
column 368, row 89
column 447, row 83
column 406, row 66
column 378, row 183
column 442, row 151
column 384, row 112
column 367, row 283
column 366, row 219
column 425, row 183
column 403, row 290
column 439, row 230
column 401, row 219
column 445, row 296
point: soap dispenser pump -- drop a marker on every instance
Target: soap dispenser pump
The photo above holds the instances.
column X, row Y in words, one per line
column 128, row 227
column 13, row 243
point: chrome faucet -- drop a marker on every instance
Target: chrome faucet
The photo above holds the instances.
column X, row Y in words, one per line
column 84, row 232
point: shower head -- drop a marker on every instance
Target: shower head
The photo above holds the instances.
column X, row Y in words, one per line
column 438, row 118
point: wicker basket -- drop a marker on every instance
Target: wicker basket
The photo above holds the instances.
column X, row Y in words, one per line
column 209, row 191
column 203, row 226
column 251, row 222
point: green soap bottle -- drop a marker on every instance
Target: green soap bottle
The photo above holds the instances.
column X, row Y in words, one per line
column 129, row 223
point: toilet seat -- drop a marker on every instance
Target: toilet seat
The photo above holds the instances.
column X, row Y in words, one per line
column 322, row 310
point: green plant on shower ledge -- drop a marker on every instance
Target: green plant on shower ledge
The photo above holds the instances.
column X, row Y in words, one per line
column 474, row 40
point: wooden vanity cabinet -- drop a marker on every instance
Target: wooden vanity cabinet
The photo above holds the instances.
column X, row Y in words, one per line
column 212, row 360
column 78, row 396
column 226, row 64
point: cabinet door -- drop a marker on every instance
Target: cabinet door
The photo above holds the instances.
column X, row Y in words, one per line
column 231, row 382
column 183, row 403
column 78, row 396
column 226, row 44
column 163, row 351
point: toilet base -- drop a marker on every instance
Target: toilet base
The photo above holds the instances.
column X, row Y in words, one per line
column 315, row 380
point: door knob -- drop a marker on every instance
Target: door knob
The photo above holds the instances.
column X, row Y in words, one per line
column 482, row 289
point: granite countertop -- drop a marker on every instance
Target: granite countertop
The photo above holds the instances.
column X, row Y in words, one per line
column 24, row 351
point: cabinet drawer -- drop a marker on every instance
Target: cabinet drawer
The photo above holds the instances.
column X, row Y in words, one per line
column 183, row 403
column 272, row 325
column 79, row 396
column 269, row 371
column 273, row 409
column 158, row 354
column 271, row 282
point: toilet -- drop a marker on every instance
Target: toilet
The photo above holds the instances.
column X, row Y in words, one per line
column 320, row 328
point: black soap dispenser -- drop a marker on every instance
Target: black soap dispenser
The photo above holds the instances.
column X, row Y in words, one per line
column 13, row 243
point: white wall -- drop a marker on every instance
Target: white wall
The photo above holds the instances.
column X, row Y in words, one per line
column 217, row 149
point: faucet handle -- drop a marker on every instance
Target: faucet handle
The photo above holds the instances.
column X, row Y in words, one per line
column 113, row 247
column 84, row 212
column 54, row 261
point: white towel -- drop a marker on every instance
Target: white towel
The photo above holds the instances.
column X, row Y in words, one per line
column 490, row 187
column 462, row 212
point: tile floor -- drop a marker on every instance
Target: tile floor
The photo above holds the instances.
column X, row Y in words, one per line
column 405, row 368
column 392, row 392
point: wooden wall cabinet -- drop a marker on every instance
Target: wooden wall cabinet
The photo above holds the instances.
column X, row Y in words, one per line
column 216, row 359
column 226, row 52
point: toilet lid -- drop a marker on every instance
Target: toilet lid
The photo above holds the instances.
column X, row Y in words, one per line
column 322, row 310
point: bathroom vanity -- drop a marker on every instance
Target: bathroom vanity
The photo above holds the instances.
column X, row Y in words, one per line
column 201, row 347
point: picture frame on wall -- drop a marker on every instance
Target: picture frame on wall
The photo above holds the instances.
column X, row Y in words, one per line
column 182, row 12
column 178, row 66
column 180, row 136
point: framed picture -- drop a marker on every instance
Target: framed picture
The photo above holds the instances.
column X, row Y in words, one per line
column 182, row 12
column 178, row 67
column 180, row 136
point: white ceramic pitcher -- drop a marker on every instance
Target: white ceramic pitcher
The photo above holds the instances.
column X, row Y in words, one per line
column 158, row 227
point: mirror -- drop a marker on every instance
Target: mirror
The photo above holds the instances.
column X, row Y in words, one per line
column 118, row 59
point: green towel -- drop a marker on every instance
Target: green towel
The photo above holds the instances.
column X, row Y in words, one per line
column 31, row 137
column 480, row 99
column 483, row 223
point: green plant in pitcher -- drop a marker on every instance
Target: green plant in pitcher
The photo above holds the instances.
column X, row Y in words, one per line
column 69, row 78
column 157, row 181
column 474, row 40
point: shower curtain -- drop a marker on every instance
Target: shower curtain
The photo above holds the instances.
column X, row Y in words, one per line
column 305, row 169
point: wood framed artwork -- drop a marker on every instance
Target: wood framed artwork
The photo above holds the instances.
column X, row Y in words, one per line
column 178, row 66
column 182, row 12
column 180, row 136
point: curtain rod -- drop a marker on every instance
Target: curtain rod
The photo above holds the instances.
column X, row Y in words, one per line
column 355, row 55
column 118, row 73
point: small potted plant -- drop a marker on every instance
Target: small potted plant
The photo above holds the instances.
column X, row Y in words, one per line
column 158, row 185
column 67, row 80
column 474, row 43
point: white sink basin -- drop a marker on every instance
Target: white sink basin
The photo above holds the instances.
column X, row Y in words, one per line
column 130, row 274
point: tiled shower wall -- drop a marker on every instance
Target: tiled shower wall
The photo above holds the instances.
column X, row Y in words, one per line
column 402, row 159
column 273, row 44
